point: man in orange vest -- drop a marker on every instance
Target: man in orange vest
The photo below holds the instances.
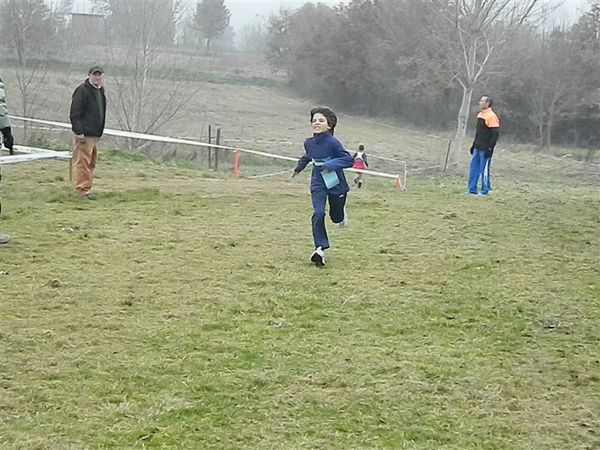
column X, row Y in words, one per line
column 486, row 136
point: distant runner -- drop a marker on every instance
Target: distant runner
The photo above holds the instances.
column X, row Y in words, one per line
column 360, row 162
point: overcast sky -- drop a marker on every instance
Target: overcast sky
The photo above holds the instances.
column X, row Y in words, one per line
column 242, row 11
column 247, row 11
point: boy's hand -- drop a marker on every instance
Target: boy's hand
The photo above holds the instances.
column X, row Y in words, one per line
column 294, row 173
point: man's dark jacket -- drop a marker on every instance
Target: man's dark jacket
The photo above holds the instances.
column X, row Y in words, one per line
column 88, row 110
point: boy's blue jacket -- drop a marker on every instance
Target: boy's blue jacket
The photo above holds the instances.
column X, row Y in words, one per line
column 325, row 147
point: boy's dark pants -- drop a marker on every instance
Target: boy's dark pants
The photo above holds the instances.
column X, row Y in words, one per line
column 336, row 212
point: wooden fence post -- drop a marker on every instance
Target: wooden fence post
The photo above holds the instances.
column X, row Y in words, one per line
column 217, row 152
column 447, row 155
column 209, row 148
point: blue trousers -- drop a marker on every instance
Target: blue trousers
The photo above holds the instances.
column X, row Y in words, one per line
column 336, row 212
column 479, row 170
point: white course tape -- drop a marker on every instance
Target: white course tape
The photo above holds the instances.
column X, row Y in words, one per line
column 14, row 159
column 32, row 154
column 156, row 138
column 29, row 150
column 171, row 140
column 281, row 172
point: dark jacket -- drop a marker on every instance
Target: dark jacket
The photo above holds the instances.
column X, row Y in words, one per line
column 487, row 131
column 87, row 115
column 4, row 122
column 325, row 147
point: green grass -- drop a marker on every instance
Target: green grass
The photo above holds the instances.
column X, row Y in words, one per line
column 180, row 311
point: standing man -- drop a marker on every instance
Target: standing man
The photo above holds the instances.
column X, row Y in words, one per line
column 486, row 136
column 88, row 114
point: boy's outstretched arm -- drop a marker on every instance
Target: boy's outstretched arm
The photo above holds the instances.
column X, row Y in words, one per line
column 302, row 163
column 341, row 159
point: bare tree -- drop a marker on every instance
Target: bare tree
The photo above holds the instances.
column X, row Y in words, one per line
column 551, row 91
column 148, row 75
column 253, row 37
column 28, row 30
column 470, row 32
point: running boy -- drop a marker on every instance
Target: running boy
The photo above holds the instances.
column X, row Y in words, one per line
column 327, row 181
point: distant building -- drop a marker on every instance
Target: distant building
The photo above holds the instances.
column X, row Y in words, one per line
column 87, row 24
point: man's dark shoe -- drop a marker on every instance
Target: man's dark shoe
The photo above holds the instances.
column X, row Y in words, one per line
column 90, row 196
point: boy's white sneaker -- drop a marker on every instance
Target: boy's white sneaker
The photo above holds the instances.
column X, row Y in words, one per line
column 344, row 223
column 318, row 257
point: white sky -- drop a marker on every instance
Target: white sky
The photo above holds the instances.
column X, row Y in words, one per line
column 242, row 11
column 247, row 11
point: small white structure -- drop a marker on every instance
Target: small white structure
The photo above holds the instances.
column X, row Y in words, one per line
column 87, row 23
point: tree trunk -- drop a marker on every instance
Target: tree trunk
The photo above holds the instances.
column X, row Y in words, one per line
column 549, row 125
column 461, row 126
column 540, row 127
column 558, row 90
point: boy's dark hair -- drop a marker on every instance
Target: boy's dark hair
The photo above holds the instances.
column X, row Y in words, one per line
column 489, row 100
column 361, row 148
column 328, row 113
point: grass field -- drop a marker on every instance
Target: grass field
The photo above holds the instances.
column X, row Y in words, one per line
column 180, row 311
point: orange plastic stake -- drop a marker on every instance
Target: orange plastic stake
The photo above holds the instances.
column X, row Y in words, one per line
column 236, row 163
column 398, row 184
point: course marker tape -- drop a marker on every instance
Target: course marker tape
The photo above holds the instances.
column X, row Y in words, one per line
column 32, row 154
column 171, row 140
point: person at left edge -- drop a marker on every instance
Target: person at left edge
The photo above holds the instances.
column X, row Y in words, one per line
column 88, row 115
column 327, row 183
column 7, row 137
